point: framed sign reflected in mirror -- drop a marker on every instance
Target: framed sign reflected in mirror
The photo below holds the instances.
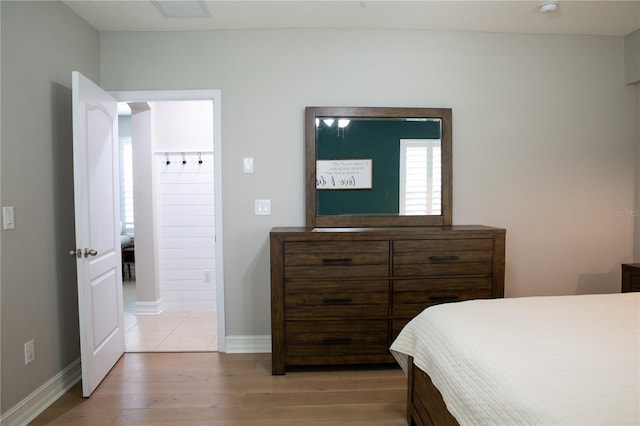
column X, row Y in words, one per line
column 370, row 167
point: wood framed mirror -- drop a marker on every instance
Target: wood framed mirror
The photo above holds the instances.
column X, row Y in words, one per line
column 377, row 167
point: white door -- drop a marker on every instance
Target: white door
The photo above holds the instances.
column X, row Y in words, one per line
column 96, row 192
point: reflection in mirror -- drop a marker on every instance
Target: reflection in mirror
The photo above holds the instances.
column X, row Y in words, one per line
column 378, row 166
column 405, row 154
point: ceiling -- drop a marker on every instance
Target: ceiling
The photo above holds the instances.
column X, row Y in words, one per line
column 608, row 18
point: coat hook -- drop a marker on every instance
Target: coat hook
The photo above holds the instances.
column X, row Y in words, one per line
column 183, row 160
column 166, row 156
column 199, row 158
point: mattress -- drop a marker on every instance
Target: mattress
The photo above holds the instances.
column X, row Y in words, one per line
column 560, row 360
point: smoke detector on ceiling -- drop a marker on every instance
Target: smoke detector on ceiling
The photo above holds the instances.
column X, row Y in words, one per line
column 548, row 6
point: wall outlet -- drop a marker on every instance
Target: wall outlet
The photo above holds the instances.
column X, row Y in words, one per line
column 207, row 276
column 29, row 352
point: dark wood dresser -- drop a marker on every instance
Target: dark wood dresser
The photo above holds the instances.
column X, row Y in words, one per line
column 341, row 295
column 630, row 277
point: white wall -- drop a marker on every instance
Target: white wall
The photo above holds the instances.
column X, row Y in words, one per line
column 544, row 137
column 0, row 200
column 637, row 210
column 183, row 126
column 174, row 205
column 186, row 233
column 632, row 57
column 632, row 74
column 185, row 204
column 146, row 236
column 42, row 43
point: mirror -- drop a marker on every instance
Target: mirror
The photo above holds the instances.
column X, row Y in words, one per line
column 372, row 167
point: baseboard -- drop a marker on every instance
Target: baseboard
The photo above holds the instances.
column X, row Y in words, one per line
column 149, row 308
column 30, row 407
column 248, row 344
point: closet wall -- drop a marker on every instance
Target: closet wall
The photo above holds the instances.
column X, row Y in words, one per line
column 186, row 232
column 185, row 204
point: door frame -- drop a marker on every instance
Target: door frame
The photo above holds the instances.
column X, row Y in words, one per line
column 199, row 95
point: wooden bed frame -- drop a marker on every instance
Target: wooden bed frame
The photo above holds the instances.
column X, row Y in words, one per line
column 425, row 406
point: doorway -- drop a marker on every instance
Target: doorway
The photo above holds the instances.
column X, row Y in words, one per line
column 173, row 288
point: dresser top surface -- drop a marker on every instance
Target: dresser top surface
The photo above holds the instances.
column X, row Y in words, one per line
column 390, row 232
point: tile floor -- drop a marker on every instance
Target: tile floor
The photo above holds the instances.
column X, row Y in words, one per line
column 169, row 331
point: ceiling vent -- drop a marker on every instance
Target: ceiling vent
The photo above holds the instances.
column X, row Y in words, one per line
column 182, row 8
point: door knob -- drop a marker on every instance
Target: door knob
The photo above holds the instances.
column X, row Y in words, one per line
column 90, row 252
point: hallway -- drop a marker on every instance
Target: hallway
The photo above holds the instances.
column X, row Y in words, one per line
column 169, row 331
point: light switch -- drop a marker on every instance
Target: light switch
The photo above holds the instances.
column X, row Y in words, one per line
column 7, row 218
column 263, row 207
column 247, row 165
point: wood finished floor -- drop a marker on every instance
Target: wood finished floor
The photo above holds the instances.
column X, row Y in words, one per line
column 231, row 389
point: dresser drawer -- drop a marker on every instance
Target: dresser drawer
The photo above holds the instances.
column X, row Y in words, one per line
column 397, row 325
column 336, row 338
column 338, row 296
column 443, row 257
column 321, row 259
column 410, row 297
column 336, row 299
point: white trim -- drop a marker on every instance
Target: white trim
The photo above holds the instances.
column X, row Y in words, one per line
column 40, row 399
column 248, row 344
column 217, row 159
column 216, row 96
column 149, row 308
column 166, row 95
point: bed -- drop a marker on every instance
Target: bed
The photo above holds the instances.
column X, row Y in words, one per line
column 570, row 360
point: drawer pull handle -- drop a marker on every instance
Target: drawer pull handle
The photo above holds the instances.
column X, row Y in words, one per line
column 443, row 298
column 337, row 260
column 444, row 258
column 337, row 340
column 336, row 300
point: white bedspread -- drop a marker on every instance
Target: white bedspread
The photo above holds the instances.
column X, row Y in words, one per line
column 563, row 360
